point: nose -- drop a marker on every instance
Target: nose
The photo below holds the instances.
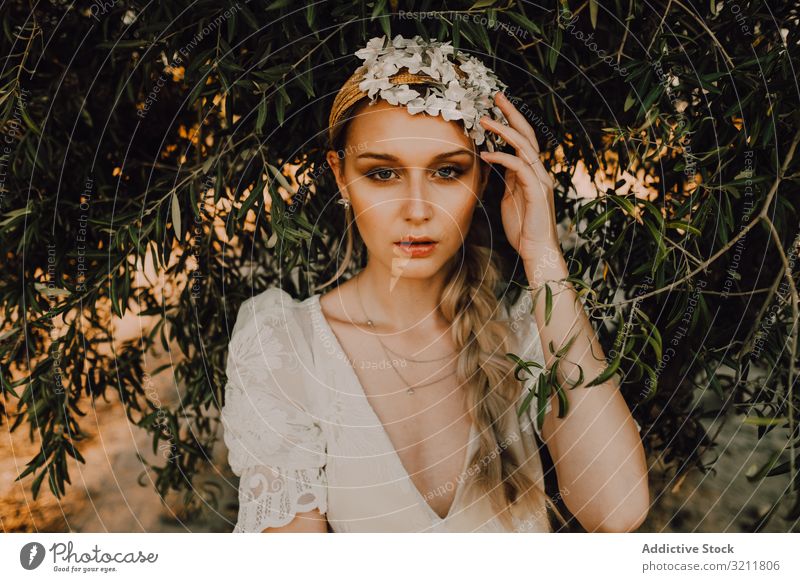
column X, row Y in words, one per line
column 417, row 205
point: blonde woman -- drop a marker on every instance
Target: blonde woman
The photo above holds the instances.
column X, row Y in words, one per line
column 388, row 403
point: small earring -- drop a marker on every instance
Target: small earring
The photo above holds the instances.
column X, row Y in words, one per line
column 344, row 202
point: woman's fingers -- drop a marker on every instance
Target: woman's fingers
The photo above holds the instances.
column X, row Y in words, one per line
column 525, row 174
column 542, row 174
column 516, row 119
column 516, row 139
column 523, row 146
column 522, row 127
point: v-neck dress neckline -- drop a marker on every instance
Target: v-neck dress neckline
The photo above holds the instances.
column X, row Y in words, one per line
column 345, row 361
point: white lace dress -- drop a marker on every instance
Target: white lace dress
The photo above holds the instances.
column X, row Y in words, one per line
column 301, row 433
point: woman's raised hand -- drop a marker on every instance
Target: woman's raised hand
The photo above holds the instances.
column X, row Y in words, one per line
column 527, row 207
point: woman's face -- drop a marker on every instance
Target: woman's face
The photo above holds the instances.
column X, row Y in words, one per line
column 409, row 176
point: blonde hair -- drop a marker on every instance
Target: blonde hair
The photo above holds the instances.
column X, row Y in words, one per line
column 470, row 304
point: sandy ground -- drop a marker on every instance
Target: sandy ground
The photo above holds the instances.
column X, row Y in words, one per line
column 105, row 495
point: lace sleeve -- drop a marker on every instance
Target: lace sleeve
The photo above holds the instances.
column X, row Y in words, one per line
column 275, row 446
column 523, row 326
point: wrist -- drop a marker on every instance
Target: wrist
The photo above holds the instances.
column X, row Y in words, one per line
column 543, row 262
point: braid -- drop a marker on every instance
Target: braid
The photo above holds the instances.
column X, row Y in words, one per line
column 470, row 303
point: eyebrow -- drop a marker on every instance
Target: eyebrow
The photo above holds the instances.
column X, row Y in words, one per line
column 391, row 158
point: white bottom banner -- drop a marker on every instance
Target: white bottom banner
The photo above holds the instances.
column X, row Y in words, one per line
column 420, row 557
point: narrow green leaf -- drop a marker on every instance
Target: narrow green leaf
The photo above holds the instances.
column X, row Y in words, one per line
column 310, row 13
column 565, row 348
column 629, row 101
column 380, row 5
column 608, row 372
column 683, row 226
column 764, row 421
column 523, row 21
column 526, row 402
column 555, row 50
column 176, row 215
column 262, row 115
column 386, row 25
column 600, row 220
column 754, row 473
column 563, row 403
column 37, row 483
column 280, row 108
column 281, row 179
column 548, row 303
column 278, row 4
column 542, row 396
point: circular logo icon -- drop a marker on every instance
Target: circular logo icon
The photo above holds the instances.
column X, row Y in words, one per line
column 31, row 555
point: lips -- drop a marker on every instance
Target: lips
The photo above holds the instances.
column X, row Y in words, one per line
column 415, row 239
column 416, row 246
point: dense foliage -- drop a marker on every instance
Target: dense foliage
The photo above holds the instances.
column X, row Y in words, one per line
column 186, row 140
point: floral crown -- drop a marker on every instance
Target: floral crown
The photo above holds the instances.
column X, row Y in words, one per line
column 457, row 86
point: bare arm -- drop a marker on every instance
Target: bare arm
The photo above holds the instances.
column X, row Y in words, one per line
column 304, row 522
column 596, row 448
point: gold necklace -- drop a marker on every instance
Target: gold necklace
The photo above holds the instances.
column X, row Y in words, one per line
column 410, row 389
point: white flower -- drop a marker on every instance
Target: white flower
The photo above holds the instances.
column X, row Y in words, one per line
column 454, row 91
column 470, row 113
column 433, row 104
column 371, row 51
column 478, row 135
column 416, row 105
column 399, row 94
column 400, row 41
column 412, row 62
column 474, row 68
column 450, row 111
column 372, row 86
column 454, row 98
column 446, row 48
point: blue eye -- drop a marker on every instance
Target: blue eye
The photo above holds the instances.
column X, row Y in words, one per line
column 454, row 172
column 381, row 174
column 445, row 173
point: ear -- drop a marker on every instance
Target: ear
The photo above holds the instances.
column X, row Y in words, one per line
column 337, row 167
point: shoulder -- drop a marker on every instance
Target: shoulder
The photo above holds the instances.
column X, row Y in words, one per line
column 269, row 329
column 272, row 303
column 273, row 307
